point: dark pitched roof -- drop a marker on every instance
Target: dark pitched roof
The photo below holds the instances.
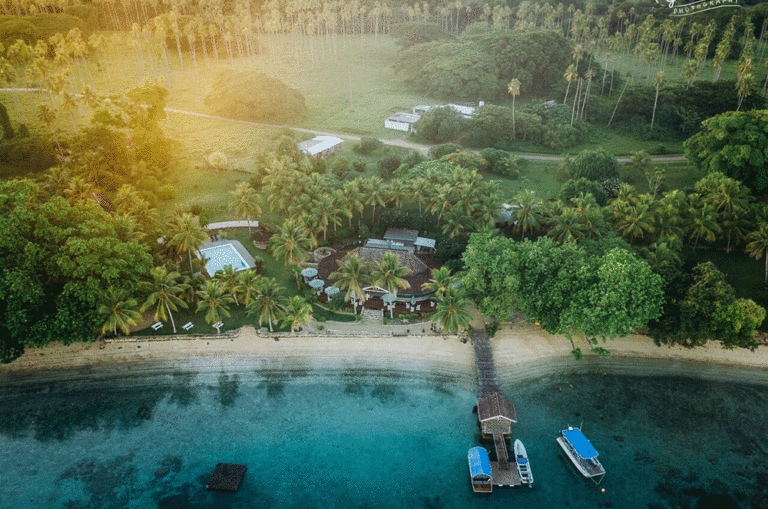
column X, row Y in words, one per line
column 495, row 406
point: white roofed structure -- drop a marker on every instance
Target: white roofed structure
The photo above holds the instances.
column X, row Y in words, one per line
column 320, row 146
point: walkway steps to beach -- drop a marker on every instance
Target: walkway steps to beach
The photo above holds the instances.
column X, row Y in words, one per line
column 494, row 412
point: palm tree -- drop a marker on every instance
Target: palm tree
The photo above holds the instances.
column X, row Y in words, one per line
column 246, row 203
column 389, row 274
column 441, row 280
column 268, row 303
column 247, row 287
column 291, row 243
column 570, row 75
column 374, row 194
column 659, row 80
column 186, row 234
column 701, row 220
column 565, row 224
column 214, row 300
column 758, row 244
column 165, row 296
column 456, row 223
column 351, row 276
column 119, row 312
column 451, row 311
column 227, row 278
column 47, row 116
column 297, row 312
column 527, row 213
column 514, row 89
column 327, row 212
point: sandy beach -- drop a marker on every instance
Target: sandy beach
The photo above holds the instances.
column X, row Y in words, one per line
column 521, row 350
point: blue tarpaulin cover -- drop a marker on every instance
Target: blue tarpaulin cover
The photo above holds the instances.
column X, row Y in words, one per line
column 479, row 463
column 580, row 443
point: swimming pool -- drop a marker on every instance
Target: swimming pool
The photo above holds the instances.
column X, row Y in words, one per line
column 222, row 255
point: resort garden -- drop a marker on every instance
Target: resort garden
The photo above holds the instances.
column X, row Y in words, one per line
column 112, row 172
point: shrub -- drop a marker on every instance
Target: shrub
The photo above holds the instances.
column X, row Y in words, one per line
column 85, row 12
column 417, row 32
column 368, row 145
column 412, row 159
column 359, row 165
column 216, row 161
column 573, row 187
column 439, row 125
column 15, row 29
column 510, row 166
column 491, row 125
column 493, row 155
column 468, row 160
column 387, row 165
column 612, row 186
column 340, row 164
column 596, row 164
column 491, row 328
column 254, row 96
column 166, row 192
column 439, row 151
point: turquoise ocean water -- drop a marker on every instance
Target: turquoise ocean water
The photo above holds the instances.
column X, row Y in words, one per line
column 671, row 435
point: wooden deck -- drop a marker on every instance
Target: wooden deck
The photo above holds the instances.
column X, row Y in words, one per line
column 494, row 412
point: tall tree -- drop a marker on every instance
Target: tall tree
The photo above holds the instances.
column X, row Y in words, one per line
column 268, row 304
column 352, row 276
column 214, row 300
column 451, row 312
column 186, row 234
column 119, row 311
column 758, row 244
column 297, row 312
column 165, row 297
column 389, row 274
column 291, row 243
column 514, row 89
column 245, row 203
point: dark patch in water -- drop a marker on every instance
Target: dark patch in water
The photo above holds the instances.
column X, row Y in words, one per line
column 228, row 389
column 107, row 484
column 384, row 392
column 717, row 501
column 354, row 389
column 275, row 389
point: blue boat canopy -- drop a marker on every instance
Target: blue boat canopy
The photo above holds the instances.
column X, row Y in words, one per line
column 580, row 443
column 479, row 463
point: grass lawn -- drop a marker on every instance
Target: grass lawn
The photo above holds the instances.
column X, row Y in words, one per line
column 539, row 176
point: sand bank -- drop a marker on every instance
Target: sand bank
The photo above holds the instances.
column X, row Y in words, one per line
column 521, row 350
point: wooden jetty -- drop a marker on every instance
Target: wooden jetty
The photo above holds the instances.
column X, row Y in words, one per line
column 494, row 412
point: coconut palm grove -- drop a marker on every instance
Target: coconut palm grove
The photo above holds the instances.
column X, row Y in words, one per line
column 599, row 167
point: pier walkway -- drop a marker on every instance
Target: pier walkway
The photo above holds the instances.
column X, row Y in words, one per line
column 494, row 412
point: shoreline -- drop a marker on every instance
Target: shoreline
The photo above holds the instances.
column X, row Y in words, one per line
column 521, row 351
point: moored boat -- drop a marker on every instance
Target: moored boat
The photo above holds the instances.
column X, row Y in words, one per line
column 581, row 452
column 480, row 470
column 523, row 466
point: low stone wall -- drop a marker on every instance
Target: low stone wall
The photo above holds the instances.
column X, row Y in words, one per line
column 230, row 334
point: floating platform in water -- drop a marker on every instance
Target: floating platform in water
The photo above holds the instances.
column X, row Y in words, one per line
column 226, row 477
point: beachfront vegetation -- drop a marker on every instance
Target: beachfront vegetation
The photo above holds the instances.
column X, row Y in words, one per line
column 96, row 138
